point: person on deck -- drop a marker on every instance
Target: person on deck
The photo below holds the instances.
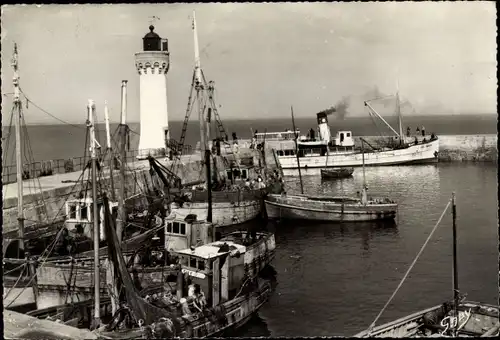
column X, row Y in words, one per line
column 199, row 301
column 418, row 130
column 260, row 183
column 423, row 131
column 408, row 131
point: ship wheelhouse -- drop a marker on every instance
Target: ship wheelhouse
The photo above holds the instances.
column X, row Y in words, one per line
column 79, row 214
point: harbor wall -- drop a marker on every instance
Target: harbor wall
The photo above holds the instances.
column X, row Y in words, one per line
column 458, row 148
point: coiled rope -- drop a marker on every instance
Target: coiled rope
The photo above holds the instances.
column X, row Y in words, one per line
column 411, row 267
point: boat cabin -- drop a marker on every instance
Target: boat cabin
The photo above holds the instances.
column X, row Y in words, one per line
column 217, row 267
column 186, row 232
column 79, row 216
column 344, row 139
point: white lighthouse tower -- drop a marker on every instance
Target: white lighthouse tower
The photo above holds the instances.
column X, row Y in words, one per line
column 153, row 64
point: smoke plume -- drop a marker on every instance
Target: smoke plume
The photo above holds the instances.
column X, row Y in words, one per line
column 340, row 109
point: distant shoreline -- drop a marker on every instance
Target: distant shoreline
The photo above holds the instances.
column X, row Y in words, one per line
column 312, row 116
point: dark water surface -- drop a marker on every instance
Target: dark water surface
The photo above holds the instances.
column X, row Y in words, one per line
column 334, row 279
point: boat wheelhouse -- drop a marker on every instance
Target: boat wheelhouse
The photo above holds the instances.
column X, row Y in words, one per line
column 222, row 268
column 79, row 214
column 186, row 232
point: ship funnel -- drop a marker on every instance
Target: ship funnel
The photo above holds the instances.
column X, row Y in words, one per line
column 124, row 102
column 324, row 129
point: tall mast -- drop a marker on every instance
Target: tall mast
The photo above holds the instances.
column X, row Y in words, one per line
column 398, row 111
column 364, row 197
column 204, row 124
column 197, row 64
column 19, row 167
column 95, row 217
column 122, row 216
column 455, row 267
column 297, row 152
column 109, row 149
column 198, row 85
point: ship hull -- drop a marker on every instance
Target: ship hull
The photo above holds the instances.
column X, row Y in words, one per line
column 300, row 207
column 225, row 213
column 65, row 282
column 416, row 154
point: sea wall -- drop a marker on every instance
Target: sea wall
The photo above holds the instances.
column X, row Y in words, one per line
column 475, row 148
column 457, row 148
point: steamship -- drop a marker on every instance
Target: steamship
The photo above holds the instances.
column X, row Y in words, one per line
column 341, row 151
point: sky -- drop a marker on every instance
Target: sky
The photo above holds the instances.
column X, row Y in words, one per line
column 263, row 57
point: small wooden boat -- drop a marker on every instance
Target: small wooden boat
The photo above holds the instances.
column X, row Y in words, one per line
column 456, row 318
column 325, row 208
column 336, row 173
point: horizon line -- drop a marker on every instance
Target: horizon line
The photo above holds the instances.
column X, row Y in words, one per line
column 278, row 117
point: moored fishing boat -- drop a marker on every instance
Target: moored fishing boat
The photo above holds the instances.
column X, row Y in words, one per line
column 455, row 318
column 328, row 208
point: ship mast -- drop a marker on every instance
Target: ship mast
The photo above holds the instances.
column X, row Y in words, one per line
column 364, row 198
column 398, row 111
column 109, row 149
column 297, row 152
column 455, row 266
column 122, row 216
column 204, row 123
column 95, row 217
column 19, row 167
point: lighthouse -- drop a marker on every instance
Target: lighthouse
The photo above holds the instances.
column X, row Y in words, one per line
column 152, row 65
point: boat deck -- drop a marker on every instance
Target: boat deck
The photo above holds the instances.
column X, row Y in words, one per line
column 22, row 326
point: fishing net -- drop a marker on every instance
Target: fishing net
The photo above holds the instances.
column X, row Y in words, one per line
column 144, row 313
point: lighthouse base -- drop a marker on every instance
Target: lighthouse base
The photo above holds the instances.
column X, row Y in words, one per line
column 145, row 153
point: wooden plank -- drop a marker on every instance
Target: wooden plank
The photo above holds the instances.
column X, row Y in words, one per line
column 17, row 326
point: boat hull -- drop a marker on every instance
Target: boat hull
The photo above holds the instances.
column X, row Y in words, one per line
column 236, row 313
column 224, row 213
column 416, row 154
column 65, row 282
column 336, row 173
column 299, row 207
column 475, row 319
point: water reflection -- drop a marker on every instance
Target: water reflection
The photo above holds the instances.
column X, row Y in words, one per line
column 255, row 327
column 366, row 231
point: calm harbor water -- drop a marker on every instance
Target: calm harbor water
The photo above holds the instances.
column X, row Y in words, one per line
column 334, row 279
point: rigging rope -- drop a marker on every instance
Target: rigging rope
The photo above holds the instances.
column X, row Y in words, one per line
column 411, row 267
column 31, row 155
column 46, row 112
